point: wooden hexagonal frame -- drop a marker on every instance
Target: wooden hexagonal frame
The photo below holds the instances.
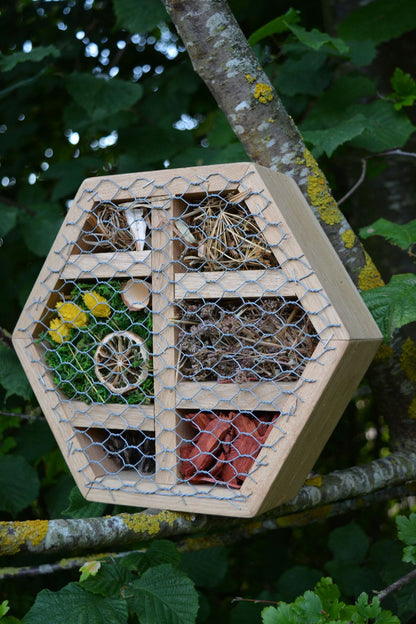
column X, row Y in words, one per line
column 305, row 269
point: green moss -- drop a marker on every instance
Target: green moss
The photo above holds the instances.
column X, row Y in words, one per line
column 72, row 362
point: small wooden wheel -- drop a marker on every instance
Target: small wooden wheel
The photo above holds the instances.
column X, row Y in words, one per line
column 120, row 361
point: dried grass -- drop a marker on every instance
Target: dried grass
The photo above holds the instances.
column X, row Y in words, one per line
column 264, row 340
column 226, row 236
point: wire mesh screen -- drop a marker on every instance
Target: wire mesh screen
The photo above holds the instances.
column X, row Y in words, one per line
column 175, row 335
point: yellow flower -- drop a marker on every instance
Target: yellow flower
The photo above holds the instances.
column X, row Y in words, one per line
column 97, row 304
column 72, row 314
column 58, row 330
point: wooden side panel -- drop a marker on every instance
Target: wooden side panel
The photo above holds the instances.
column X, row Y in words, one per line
column 328, row 268
column 309, row 430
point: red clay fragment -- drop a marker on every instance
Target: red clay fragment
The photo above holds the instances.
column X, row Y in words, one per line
column 201, row 419
column 208, row 443
column 247, row 448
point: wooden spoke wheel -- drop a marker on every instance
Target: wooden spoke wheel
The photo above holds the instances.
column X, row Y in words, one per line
column 120, row 361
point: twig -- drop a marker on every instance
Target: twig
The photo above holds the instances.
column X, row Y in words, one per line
column 357, row 184
column 401, row 582
column 5, row 337
column 254, row 600
column 30, row 417
column 240, row 530
column 370, row 482
column 360, row 180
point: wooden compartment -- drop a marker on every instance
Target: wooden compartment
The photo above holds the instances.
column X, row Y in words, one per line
column 257, row 339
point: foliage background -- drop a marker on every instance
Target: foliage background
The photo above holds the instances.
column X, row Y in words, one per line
column 95, row 87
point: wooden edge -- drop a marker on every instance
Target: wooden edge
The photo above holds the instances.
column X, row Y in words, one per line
column 127, row 185
column 315, row 420
column 320, row 254
column 222, row 503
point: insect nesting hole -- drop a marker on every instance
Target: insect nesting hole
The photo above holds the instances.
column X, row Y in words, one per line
column 266, row 339
column 115, row 227
column 115, row 450
column 131, row 450
column 220, row 233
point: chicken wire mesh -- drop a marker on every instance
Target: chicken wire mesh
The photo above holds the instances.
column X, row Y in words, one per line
column 175, row 336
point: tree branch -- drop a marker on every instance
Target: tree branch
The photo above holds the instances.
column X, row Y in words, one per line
column 77, row 535
column 401, row 582
column 223, row 58
column 238, row 532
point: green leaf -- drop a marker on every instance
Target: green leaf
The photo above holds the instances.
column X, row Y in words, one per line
column 349, row 543
column 34, row 56
column 366, row 609
column 139, row 19
column 297, row 579
column 310, row 605
column 34, row 440
column 81, row 508
column 329, row 139
column 402, row 235
column 12, row 375
column 282, row 614
column 8, row 218
column 379, row 21
column 316, row 40
column 393, row 305
column 108, row 580
column 90, row 568
column 385, row 129
column 100, row 96
column 362, row 52
column 386, row 617
column 406, row 529
column 163, row 551
column 73, row 601
column 404, row 89
column 276, row 26
column 70, row 174
column 4, row 608
column 307, row 74
column 19, row 484
column 330, row 109
column 40, row 229
column 164, row 594
column 409, row 554
column 207, row 567
column 159, row 551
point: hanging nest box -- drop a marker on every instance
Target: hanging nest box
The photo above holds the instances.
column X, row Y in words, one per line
column 193, row 339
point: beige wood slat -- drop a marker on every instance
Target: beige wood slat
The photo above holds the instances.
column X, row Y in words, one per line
column 107, row 265
column 109, row 415
column 164, row 341
column 216, row 284
column 268, row 396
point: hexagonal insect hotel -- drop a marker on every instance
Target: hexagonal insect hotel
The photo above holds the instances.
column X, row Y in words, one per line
column 193, row 339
